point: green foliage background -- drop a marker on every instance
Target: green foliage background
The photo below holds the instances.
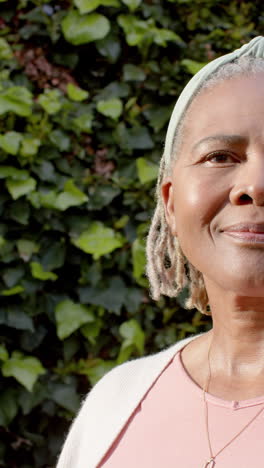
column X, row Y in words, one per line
column 86, row 91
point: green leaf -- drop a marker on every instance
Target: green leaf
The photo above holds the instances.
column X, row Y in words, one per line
column 91, row 330
column 7, row 253
column 162, row 36
column 3, row 353
column 143, row 33
column 27, row 401
column 78, row 29
column 133, row 73
column 158, row 116
column 133, row 138
column 132, row 4
column 111, row 297
column 45, row 170
column 109, row 47
column 16, row 318
column 13, row 173
column 5, row 50
column 54, row 255
column 20, row 211
column 139, row 138
column 139, row 258
column 12, row 291
column 26, row 248
column 62, row 141
column 98, row 240
column 102, row 195
column 85, row 6
column 47, row 200
column 147, row 170
column 134, row 338
column 16, row 99
column 110, row 108
column 25, row 369
column 71, row 316
column 83, row 123
column 71, row 196
column 114, row 90
column 10, row 142
column 121, row 222
column 65, row 396
column 97, row 369
column 75, row 93
column 192, row 66
column 38, row 272
column 8, row 406
column 112, row 3
column 34, row 199
column 13, row 275
column 50, row 100
column 133, row 334
column 135, row 30
column 31, row 341
column 70, row 347
column 29, row 146
column 18, row 188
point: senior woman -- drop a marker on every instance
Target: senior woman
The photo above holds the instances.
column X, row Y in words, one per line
column 200, row 402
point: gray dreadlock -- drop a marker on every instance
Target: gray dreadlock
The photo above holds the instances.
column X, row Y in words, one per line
column 168, row 270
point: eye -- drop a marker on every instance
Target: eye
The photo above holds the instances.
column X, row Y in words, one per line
column 220, row 157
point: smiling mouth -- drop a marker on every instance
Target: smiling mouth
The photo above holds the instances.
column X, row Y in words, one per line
column 247, row 232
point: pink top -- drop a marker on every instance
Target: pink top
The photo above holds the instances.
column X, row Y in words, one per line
column 167, row 430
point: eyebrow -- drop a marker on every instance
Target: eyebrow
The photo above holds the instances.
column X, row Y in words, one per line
column 228, row 139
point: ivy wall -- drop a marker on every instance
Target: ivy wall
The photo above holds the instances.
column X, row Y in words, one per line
column 86, row 91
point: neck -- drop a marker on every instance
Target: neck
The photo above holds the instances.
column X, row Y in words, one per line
column 237, row 335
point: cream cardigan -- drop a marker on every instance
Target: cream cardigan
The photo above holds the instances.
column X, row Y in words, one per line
column 109, row 405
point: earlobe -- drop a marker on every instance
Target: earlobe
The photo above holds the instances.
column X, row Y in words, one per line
column 168, row 202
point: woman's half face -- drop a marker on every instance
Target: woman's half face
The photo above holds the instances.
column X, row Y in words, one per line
column 214, row 200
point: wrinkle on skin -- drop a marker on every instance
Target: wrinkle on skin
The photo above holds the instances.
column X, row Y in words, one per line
column 226, row 139
column 205, row 194
column 238, row 335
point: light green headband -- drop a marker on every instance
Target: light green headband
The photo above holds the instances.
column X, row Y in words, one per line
column 254, row 48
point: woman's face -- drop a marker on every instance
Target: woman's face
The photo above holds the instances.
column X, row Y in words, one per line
column 214, row 199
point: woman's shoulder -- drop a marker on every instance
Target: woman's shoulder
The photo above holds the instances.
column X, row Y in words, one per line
column 139, row 372
column 153, row 359
column 109, row 405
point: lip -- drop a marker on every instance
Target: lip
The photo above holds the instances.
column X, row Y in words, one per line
column 245, row 227
column 247, row 232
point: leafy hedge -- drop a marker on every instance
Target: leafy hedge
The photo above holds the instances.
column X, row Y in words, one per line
column 86, row 91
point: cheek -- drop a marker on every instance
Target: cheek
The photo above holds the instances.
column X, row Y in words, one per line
column 197, row 202
column 195, row 206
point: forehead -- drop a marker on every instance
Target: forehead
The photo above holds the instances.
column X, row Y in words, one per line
column 232, row 107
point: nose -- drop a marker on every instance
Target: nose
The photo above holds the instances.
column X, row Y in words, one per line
column 249, row 186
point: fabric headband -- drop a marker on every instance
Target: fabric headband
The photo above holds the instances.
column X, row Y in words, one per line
column 254, row 48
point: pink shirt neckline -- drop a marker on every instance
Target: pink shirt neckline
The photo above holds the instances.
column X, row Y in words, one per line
column 232, row 404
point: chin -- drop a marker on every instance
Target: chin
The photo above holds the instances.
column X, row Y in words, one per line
column 240, row 272
column 250, row 285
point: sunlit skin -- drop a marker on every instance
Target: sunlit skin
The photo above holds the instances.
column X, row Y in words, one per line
column 218, row 182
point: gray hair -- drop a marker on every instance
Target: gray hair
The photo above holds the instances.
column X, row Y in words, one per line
column 168, row 270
